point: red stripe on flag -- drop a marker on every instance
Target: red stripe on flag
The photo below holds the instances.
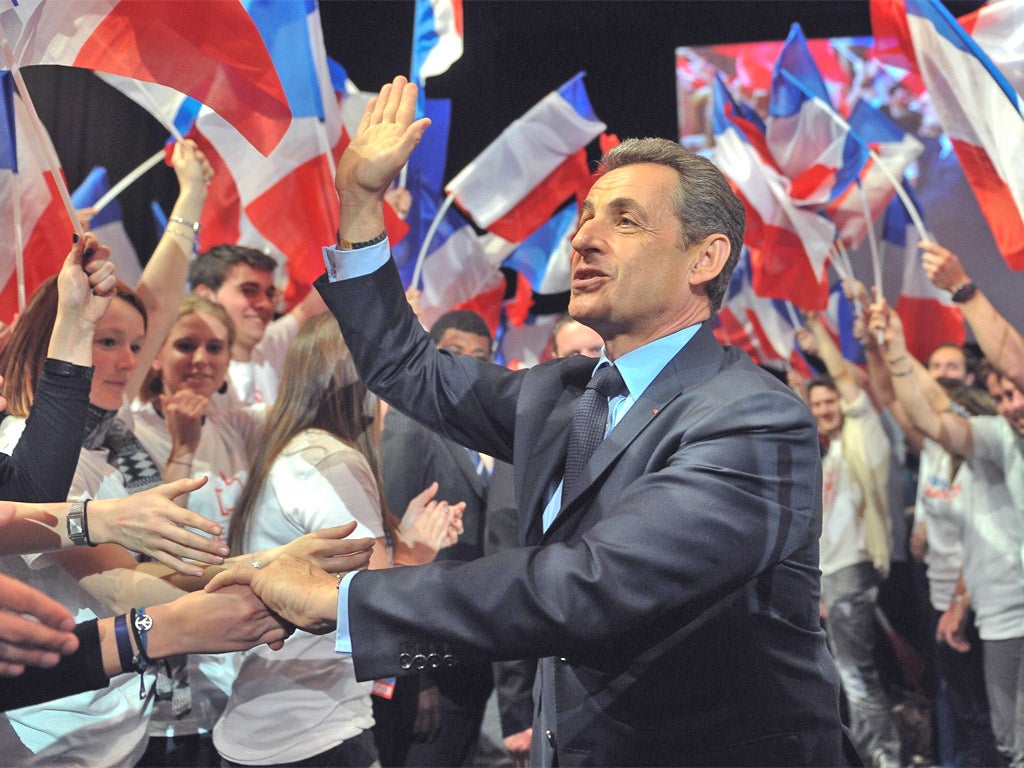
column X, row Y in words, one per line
column 44, row 251
column 928, row 323
column 779, row 265
column 572, row 177
column 205, row 49
column 995, row 200
column 222, row 211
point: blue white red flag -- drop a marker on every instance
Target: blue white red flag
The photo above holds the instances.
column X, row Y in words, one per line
column 896, row 149
column 108, row 225
column 210, row 51
column 762, row 327
column 818, row 154
column 27, row 187
column 543, row 258
column 437, row 38
column 979, row 109
column 529, row 171
column 929, row 317
column 789, row 246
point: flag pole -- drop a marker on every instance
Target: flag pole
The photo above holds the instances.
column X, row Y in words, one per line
column 876, row 259
column 418, row 269
column 40, row 133
column 915, row 217
column 127, row 181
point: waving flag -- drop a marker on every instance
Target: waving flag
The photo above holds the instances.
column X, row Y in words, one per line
column 929, row 317
column 998, row 27
column 437, row 38
column 29, row 201
column 788, row 245
column 108, row 225
column 209, row 51
column 896, row 149
column 978, row 108
column 525, row 175
column 819, row 155
column 762, row 327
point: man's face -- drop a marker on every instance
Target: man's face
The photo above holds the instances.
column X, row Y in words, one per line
column 948, row 363
column 577, row 339
column 466, row 343
column 629, row 271
column 1008, row 399
column 249, row 297
column 824, row 404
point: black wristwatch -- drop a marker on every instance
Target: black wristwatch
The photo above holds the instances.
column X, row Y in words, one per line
column 964, row 292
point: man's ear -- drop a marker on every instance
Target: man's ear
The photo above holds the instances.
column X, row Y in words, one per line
column 712, row 255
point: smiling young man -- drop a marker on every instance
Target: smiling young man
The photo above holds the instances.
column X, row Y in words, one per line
column 669, row 586
column 241, row 280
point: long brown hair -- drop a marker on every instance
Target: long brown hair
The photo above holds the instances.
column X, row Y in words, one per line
column 21, row 361
column 319, row 390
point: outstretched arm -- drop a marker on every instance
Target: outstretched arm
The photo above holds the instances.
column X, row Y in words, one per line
column 1002, row 344
column 923, row 400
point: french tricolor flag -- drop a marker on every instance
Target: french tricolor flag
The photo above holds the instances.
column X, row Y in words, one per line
column 788, row 245
column 211, row 51
column 437, row 38
column 929, row 317
column 978, row 108
column 31, row 210
column 896, row 149
column 997, row 27
column 529, row 171
column 819, row 155
column 763, row 328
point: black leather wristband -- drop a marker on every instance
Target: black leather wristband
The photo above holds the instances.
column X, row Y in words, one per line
column 964, row 293
column 67, row 370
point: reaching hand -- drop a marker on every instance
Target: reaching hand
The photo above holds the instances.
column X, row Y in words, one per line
column 886, row 324
column 296, row 590
column 150, row 522
column 230, row 619
column 383, row 143
column 25, row 641
column 328, row 549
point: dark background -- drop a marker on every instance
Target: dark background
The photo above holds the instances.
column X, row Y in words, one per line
column 515, row 53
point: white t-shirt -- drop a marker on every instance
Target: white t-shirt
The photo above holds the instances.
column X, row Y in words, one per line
column 226, row 443
column 95, row 728
column 993, row 569
column 935, row 491
column 255, row 381
column 295, row 703
column 842, row 527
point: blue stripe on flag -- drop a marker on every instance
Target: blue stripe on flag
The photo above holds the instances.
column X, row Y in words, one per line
column 575, row 93
column 284, row 27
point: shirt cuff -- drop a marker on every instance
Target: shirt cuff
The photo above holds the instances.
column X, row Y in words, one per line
column 343, row 637
column 345, row 265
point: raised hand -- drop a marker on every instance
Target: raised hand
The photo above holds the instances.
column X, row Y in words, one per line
column 150, row 522
column 428, row 526
column 942, row 266
column 183, row 414
column 190, row 166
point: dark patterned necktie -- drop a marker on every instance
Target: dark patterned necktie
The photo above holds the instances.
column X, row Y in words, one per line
column 589, row 421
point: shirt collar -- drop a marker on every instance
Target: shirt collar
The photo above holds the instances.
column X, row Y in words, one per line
column 642, row 365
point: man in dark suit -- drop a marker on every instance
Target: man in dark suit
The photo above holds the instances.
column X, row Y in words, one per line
column 671, row 590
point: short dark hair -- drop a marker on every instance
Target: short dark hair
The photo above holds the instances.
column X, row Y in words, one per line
column 704, row 200
column 465, row 320
column 211, row 267
column 822, row 381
